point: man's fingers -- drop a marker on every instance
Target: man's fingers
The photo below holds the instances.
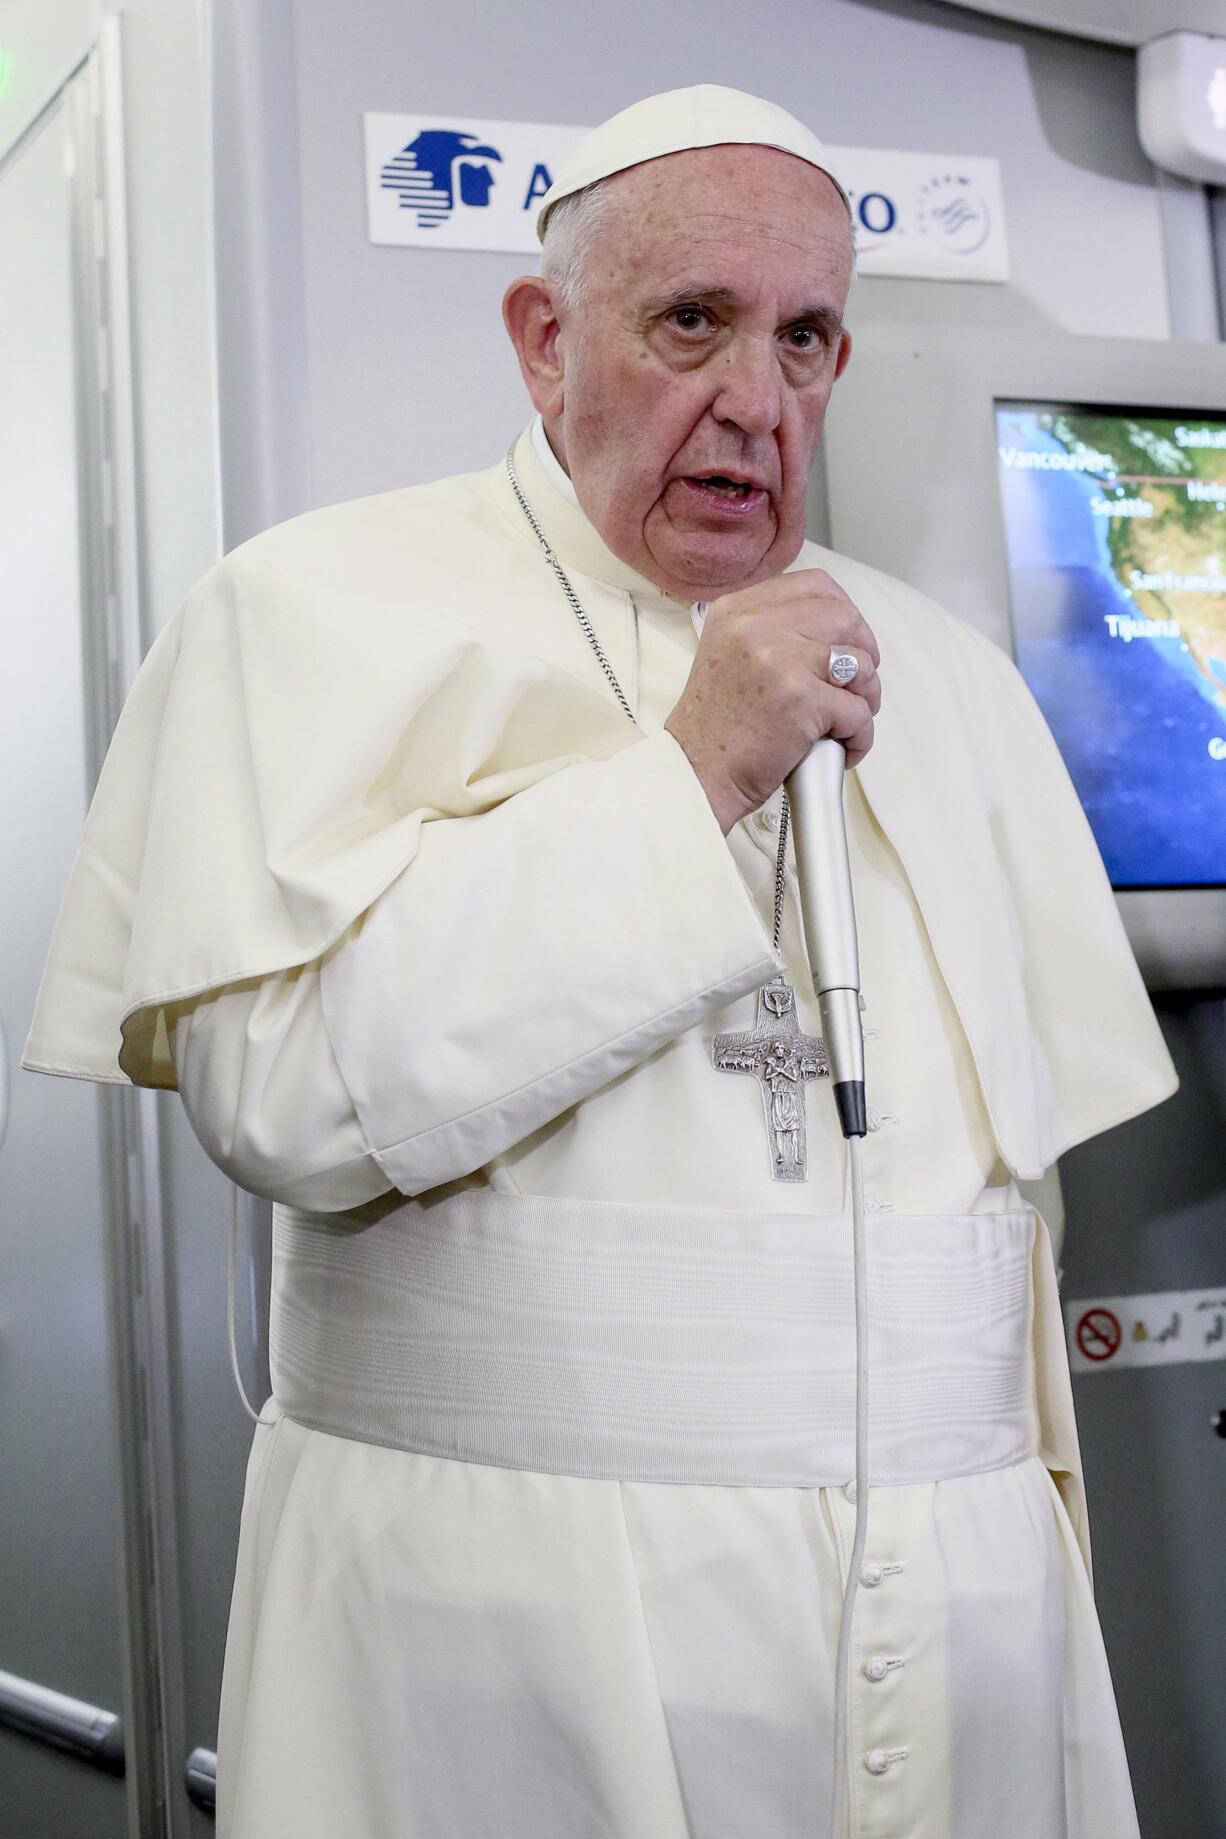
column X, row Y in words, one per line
column 860, row 745
column 816, row 585
column 828, row 615
column 849, row 716
column 865, row 683
column 828, row 623
column 813, row 603
column 800, row 581
column 759, row 691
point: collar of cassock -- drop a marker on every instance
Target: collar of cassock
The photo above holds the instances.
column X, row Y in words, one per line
column 573, row 537
column 560, row 479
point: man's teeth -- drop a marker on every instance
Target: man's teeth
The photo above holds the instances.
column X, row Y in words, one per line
column 730, row 488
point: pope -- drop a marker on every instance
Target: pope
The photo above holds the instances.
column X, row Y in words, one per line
column 441, row 863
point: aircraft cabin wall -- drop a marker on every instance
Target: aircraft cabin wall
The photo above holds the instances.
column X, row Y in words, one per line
column 279, row 360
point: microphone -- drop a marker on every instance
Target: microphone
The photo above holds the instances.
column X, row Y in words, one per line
column 819, row 832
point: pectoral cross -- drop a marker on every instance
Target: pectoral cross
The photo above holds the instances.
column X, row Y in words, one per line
column 782, row 1059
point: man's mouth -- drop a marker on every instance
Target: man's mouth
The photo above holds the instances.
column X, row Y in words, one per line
column 725, row 493
column 726, row 487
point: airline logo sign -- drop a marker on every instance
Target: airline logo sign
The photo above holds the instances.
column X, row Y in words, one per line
column 443, row 184
column 440, row 183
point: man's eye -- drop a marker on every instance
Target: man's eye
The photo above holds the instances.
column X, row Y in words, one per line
column 803, row 338
column 689, row 318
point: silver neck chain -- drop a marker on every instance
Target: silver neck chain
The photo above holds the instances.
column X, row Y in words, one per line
column 576, row 605
column 590, row 635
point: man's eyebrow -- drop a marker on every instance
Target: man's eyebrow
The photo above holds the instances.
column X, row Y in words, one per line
column 685, row 296
column 824, row 317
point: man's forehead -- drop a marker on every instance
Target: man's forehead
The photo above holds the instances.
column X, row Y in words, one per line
column 705, row 175
column 708, row 228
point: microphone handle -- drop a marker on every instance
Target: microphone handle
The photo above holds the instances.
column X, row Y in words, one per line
column 819, row 831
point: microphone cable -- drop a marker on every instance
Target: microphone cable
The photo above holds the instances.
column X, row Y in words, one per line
column 842, row 1673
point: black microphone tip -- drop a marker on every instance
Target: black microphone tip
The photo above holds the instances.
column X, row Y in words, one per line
column 853, row 1112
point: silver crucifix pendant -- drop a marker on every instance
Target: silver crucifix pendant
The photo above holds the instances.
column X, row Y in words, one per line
column 782, row 1059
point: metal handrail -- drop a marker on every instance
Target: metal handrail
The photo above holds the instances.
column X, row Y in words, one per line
column 89, row 1732
column 65, row 1723
column 200, row 1775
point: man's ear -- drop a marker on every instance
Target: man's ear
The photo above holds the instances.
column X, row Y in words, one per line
column 529, row 312
column 844, row 357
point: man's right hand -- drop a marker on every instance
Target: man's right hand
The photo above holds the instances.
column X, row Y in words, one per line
column 759, row 695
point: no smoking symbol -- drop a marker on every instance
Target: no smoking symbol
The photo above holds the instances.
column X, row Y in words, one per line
column 1099, row 1334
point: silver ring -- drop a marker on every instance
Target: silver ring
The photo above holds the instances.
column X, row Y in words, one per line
column 844, row 667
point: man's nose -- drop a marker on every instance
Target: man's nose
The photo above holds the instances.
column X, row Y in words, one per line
column 750, row 387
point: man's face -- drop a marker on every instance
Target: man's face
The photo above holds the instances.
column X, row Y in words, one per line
column 696, row 371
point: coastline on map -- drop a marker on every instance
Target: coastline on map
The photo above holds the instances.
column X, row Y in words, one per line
column 1134, row 717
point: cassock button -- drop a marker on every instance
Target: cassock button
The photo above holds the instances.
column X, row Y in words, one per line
column 871, row 1575
column 769, row 820
column 877, row 1667
column 849, row 1492
column 876, row 1762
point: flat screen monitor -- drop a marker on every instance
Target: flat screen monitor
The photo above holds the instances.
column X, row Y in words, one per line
column 1115, row 526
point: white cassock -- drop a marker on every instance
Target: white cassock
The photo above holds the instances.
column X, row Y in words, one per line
column 546, row 1535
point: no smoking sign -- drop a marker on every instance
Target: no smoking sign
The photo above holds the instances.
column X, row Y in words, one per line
column 1099, row 1334
column 1164, row 1328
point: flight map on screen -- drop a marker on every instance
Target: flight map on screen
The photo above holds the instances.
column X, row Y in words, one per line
column 1115, row 522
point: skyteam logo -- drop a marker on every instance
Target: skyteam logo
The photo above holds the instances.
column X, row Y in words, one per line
column 442, row 184
column 933, row 216
column 953, row 208
column 438, row 167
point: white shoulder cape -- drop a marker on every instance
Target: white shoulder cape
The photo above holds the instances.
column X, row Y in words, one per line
column 360, row 671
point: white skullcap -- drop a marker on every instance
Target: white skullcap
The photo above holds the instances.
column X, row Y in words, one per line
column 706, row 116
